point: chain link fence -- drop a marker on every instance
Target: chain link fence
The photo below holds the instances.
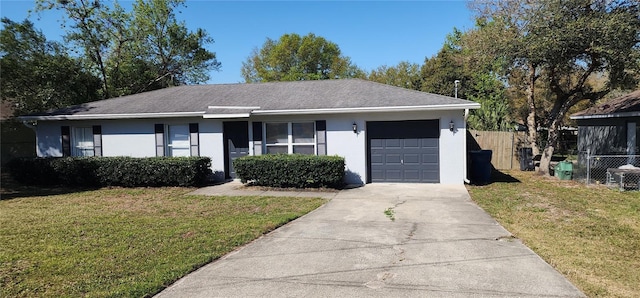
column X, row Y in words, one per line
column 621, row 171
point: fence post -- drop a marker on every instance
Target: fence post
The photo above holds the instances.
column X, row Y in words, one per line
column 588, row 166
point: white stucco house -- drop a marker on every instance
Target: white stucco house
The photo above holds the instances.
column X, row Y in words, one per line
column 385, row 133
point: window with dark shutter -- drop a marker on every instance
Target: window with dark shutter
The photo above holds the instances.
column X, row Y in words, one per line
column 66, row 140
column 159, row 130
column 97, row 140
column 194, row 139
column 257, row 138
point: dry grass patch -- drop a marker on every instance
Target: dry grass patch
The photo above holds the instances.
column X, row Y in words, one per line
column 590, row 234
column 125, row 242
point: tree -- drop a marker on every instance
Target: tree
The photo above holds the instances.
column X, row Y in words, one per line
column 494, row 112
column 440, row 72
column 37, row 74
column 479, row 80
column 502, row 34
column 294, row 57
column 136, row 51
column 405, row 75
column 566, row 43
column 179, row 54
column 91, row 31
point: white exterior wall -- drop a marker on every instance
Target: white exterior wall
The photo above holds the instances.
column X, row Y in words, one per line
column 342, row 141
column 137, row 138
column 48, row 139
column 453, row 155
column 211, row 145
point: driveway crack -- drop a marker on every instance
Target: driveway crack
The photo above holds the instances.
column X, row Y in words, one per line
column 391, row 212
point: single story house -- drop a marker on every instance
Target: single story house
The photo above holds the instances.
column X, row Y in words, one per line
column 385, row 133
column 611, row 128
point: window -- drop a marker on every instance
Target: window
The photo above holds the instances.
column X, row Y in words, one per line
column 178, row 141
column 82, row 139
column 287, row 137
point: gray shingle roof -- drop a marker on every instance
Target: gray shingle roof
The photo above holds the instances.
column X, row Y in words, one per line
column 262, row 97
column 626, row 105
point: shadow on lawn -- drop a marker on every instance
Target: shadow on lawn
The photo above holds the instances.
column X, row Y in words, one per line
column 10, row 189
column 497, row 176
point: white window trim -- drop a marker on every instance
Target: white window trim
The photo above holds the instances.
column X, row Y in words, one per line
column 167, row 139
column 75, row 147
column 289, row 143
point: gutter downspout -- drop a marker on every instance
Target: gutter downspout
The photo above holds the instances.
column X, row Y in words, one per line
column 464, row 146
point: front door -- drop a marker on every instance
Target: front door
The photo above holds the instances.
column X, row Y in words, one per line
column 236, row 138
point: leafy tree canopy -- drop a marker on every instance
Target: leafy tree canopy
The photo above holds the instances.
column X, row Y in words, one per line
column 37, row 74
column 495, row 110
column 566, row 44
column 139, row 50
column 479, row 80
column 294, row 57
column 440, row 72
column 405, row 75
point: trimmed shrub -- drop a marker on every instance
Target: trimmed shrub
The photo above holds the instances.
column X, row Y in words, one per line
column 33, row 171
column 295, row 170
column 154, row 171
column 111, row 171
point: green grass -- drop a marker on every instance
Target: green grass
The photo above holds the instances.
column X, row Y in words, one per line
column 589, row 234
column 125, row 242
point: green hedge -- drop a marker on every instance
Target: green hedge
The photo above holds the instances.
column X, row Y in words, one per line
column 296, row 170
column 111, row 171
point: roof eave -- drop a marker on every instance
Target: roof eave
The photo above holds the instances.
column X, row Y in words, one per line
column 368, row 109
column 111, row 116
column 605, row 116
column 226, row 116
column 246, row 115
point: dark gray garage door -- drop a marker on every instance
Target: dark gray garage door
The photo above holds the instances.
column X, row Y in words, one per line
column 404, row 151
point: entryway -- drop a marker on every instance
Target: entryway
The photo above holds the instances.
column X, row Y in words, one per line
column 236, row 138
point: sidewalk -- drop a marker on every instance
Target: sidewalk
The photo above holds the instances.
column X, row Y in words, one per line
column 236, row 188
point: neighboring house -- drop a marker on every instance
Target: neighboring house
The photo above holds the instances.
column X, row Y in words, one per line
column 16, row 140
column 611, row 128
column 385, row 133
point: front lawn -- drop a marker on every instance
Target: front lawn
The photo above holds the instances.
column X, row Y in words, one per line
column 589, row 234
column 125, row 242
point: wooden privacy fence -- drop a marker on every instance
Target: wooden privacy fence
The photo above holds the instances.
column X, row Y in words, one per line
column 504, row 145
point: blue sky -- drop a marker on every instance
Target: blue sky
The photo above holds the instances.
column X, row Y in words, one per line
column 371, row 33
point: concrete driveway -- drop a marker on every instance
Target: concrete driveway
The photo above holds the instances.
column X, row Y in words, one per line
column 441, row 244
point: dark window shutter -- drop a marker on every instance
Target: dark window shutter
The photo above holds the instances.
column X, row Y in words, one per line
column 321, row 136
column 257, row 138
column 97, row 140
column 66, row 140
column 159, row 130
column 194, row 139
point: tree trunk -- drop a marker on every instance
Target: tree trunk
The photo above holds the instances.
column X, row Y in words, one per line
column 532, row 125
column 561, row 106
column 103, row 71
column 547, row 153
